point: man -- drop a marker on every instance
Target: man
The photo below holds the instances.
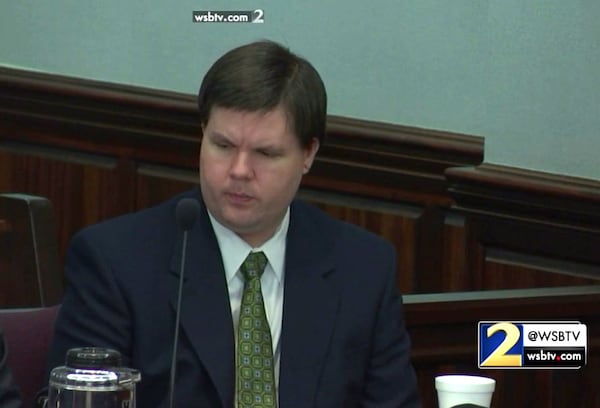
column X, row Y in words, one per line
column 9, row 396
column 334, row 335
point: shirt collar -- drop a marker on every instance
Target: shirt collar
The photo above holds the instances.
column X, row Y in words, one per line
column 234, row 250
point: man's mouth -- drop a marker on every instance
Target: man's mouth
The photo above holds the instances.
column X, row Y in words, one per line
column 238, row 198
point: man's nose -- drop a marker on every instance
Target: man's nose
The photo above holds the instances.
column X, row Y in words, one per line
column 241, row 166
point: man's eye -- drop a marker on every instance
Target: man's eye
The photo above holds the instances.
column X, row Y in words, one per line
column 222, row 145
column 267, row 153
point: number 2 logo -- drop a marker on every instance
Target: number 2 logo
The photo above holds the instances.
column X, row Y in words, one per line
column 500, row 357
column 258, row 16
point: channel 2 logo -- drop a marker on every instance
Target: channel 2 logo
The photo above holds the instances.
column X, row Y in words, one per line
column 552, row 344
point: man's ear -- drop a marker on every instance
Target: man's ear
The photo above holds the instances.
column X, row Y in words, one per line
column 309, row 154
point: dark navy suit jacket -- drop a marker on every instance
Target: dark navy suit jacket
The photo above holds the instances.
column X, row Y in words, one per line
column 343, row 341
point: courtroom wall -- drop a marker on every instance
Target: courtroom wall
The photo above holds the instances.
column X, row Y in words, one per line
column 522, row 74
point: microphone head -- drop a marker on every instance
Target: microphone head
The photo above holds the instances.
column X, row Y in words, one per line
column 186, row 212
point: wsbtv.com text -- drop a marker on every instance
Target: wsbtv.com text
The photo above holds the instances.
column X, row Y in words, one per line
column 209, row 16
column 559, row 357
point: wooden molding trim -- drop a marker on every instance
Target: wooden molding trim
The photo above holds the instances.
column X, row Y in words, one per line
column 425, row 309
column 533, row 196
column 162, row 127
column 447, row 312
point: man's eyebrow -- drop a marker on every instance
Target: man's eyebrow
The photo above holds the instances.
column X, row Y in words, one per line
column 216, row 135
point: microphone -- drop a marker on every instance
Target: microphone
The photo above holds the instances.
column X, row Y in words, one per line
column 185, row 214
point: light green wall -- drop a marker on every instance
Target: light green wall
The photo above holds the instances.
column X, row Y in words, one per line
column 525, row 74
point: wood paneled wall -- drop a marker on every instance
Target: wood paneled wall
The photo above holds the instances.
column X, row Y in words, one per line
column 97, row 150
column 527, row 229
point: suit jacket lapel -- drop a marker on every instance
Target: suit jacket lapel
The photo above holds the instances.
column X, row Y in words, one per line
column 206, row 312
column 309, row 310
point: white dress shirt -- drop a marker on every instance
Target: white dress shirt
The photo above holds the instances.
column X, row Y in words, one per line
column 234, row 251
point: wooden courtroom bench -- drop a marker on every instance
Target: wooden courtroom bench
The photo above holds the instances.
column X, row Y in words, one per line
column 443, row 329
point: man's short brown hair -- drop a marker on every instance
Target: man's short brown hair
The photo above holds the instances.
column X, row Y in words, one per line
column 261, row 76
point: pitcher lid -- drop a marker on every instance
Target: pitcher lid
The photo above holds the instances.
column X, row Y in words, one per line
column 93, row 358
column 93, row 369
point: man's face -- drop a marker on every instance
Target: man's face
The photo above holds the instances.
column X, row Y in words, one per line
column 251, row 165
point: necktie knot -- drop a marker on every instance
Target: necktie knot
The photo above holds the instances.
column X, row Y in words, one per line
column 254, row 266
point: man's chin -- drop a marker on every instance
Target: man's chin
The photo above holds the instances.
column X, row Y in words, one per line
column 241, row 226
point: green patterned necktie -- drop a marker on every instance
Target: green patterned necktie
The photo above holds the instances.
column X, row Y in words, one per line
column 255, row 371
